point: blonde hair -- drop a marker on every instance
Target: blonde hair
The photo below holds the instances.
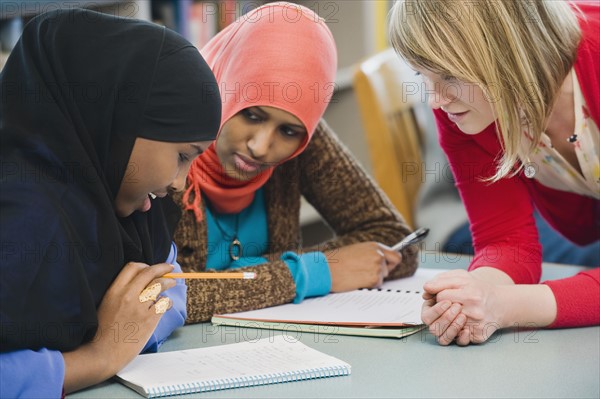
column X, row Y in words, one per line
column 518, row 52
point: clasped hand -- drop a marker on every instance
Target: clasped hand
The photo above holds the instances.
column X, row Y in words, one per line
column 460, row 307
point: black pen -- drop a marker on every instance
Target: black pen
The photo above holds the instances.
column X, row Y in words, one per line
column 413, row 238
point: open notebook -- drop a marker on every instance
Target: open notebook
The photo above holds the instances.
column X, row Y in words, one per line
column 270, row 360
column 394, row 310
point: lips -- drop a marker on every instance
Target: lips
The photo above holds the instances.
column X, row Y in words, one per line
column 146, row 205
column 158, row 194
column 246, row 164
column 456, row 116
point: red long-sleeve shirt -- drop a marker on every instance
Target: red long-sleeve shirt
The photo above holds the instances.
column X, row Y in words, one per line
column 501, row 213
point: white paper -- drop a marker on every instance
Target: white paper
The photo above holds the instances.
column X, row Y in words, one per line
column 273, row 355
column 396, row 303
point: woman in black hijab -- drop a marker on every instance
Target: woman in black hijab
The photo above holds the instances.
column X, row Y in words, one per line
column 99, row 115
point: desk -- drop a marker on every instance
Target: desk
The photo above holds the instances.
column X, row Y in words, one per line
column 513, row 363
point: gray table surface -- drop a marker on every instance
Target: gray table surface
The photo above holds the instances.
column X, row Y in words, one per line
column 517, row 363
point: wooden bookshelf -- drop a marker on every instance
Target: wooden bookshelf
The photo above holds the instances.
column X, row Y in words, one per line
column 29, row 8
column 22, row 11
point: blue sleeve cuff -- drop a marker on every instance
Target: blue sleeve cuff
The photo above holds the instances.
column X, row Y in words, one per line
column 174, row 317
column 310, row 272
column 32, row 374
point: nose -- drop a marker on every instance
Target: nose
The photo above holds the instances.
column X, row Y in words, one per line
column 178, row 184
column 260, row 142
column 438, row 95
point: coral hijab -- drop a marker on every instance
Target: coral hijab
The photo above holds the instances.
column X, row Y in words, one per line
column 279, row 55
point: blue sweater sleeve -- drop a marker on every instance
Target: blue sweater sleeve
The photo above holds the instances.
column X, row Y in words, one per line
column 174, row 317
column 310, row 272
column 31, row 374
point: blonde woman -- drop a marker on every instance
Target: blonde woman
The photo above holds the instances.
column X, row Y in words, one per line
column 515, row 88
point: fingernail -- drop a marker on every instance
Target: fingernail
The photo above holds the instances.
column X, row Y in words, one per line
column 150, row 293
column 162, row 305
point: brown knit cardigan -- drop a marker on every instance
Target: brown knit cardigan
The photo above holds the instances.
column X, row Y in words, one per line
column 331, row 180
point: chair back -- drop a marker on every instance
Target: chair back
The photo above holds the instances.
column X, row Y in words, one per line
column 393, row 133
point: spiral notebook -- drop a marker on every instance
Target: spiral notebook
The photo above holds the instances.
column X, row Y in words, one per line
column 394, row 310
column 271, row 360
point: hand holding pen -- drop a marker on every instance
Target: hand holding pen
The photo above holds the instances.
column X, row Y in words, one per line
column 413, row 238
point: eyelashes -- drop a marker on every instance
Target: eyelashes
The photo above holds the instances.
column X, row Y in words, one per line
column 183, row 158
column 285, row 129
column 251, row 115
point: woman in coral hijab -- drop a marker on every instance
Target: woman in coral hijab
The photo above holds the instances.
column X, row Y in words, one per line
column 275, row 67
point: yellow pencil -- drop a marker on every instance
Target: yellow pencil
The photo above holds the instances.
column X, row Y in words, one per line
column 209, row 276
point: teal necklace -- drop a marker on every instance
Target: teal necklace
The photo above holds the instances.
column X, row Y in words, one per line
column 235, row 245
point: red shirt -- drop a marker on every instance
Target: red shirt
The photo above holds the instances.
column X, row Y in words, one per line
column 501, row 213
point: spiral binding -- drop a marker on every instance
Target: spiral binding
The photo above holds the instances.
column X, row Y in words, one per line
column 390, row 290
column 246, row 381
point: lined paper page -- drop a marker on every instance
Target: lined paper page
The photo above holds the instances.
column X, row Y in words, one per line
column 415, row 282
column 360, row 307
column 355, row 307
column 277, row 354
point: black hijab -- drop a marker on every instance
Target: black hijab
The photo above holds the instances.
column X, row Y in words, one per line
column 76, row 91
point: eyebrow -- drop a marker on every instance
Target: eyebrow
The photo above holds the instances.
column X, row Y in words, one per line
column 198, row 149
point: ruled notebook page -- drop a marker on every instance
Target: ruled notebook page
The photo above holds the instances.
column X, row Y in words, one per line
column 227, row 366
column 397, row 303
column 414, row 282
column 360, row 307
